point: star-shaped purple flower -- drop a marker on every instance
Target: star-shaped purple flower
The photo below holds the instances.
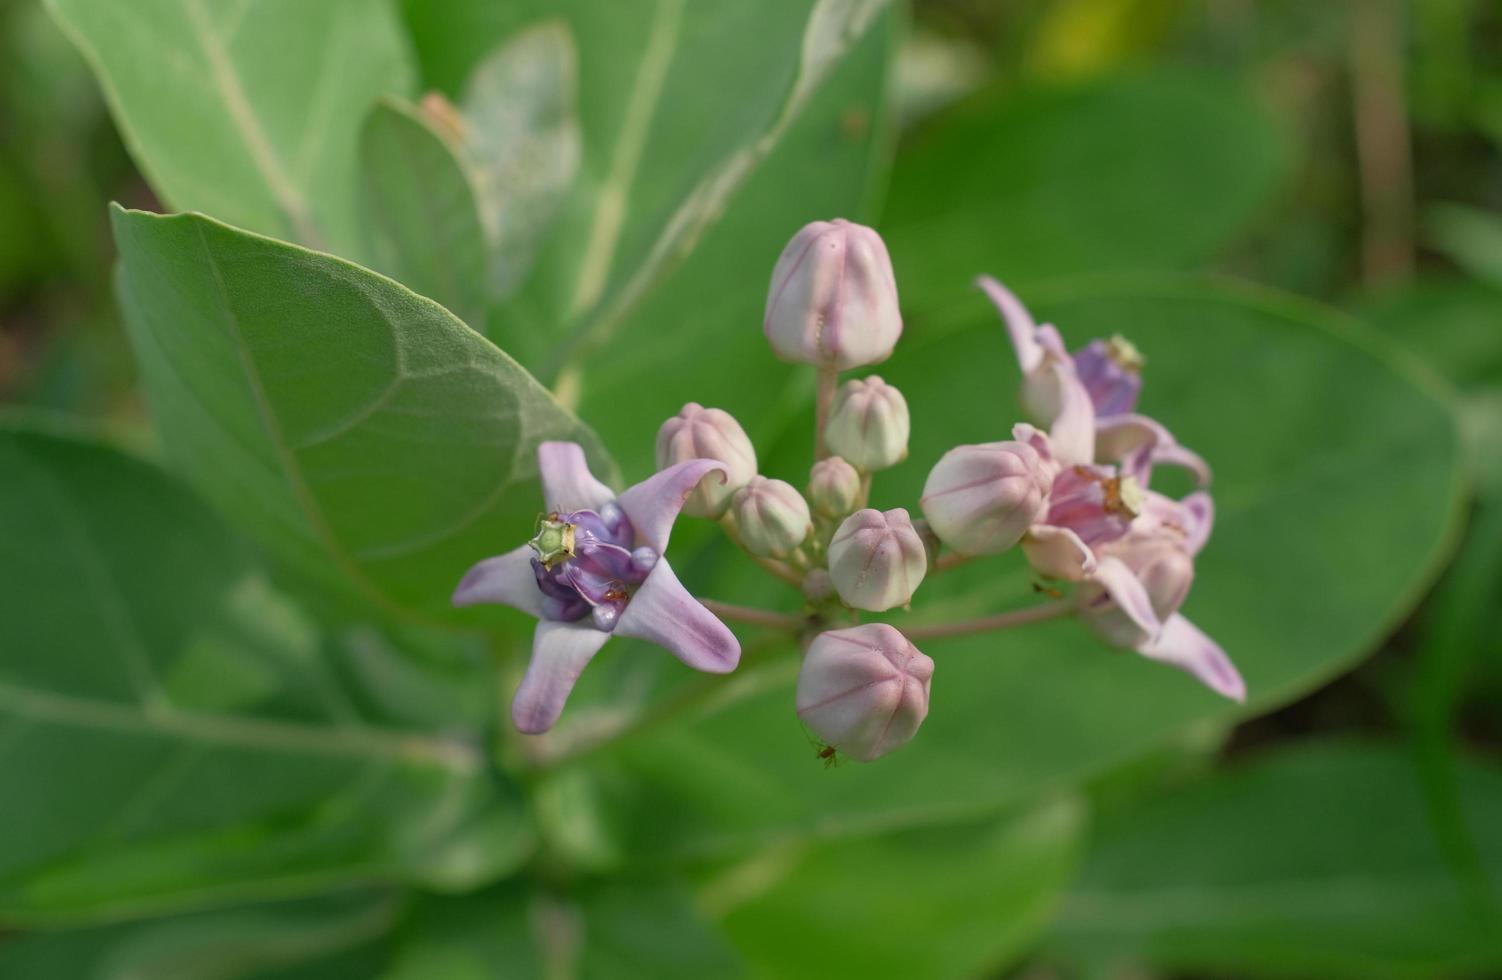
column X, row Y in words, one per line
column 595, row 569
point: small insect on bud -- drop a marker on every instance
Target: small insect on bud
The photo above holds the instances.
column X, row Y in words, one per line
column 772, row 517
column 707, row 433
column 980, row 500
column 864, row 690
column 868, row 424
column 834, row 487
column 833, row 298
column 877, row 560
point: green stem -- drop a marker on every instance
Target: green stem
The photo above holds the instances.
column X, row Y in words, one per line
column 988, row 624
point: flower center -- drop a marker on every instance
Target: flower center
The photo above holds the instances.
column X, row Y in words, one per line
column 554, row 541
column 1124, row 353
column 586, row 564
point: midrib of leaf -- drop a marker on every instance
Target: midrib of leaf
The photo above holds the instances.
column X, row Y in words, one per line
column 227, row 83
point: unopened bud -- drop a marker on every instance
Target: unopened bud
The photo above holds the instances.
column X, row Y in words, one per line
column 834, row 487
column 980, row 500
column 868, row 424
column 864, row 690
column 772, row 517
column 707, row 433
column 833, row 298
column 877, row 559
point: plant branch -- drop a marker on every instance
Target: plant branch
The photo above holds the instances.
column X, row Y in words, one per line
column 753, row 616
column 988, row 624
column 829, row 379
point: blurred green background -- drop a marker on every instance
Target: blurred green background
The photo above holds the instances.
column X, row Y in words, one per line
column 1090, row 153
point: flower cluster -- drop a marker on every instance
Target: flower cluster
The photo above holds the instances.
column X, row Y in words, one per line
column 1069, row 489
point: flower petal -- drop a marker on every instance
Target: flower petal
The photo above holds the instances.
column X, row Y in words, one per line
column 1184, row 646
column 663, row 612
column 560, row 652
column 1057, row 552
column 653, row 504
column 1138, row 442
column 1021, row 328
column 1130, row 597
column 1201, row 509
column 567, row 483
column 507, row 580
column 1072, row 434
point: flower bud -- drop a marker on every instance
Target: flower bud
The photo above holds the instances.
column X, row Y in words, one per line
column 833, row 298
column 864, row 690
column 707, row 433
column 980, row 500
column 877, row 560
column 868, row 424
column 772, row 517
column 834, row 487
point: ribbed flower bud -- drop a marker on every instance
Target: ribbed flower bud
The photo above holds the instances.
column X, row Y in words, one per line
column 864, row 690
column 980, row 500
column 833, row 298
column 877, row 559
column 707, row 433
column 772, row 517
column 868, row 424
column 834, row 487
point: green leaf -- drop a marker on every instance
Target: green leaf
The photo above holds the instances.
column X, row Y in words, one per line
column 1451, row 324
column 1314, row 861
column 363, row 434
column 1307, row 569
column 423, row 211
column 950, row 901
column 247, row 110
column 1137, row 172
column 1471, row 237
column 171, row 732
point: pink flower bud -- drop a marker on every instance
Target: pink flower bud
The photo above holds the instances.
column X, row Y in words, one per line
column 980, row 500
column 864, row 690
column 833, row 298
column 868, row 424
column 834, row 487
column 707, row 433
column 772, row 517
column 877, row 560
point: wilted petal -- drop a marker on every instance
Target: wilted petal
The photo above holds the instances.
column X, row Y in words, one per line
column 653, row 504
column 1138, row 443
column 1130, row 597
column 1057, row 552
column 1201, row 510
column 1072, row 436
column 1184, row 646
column 663, row 612
column 560, row 652
column 507, row 580
column 567, row 484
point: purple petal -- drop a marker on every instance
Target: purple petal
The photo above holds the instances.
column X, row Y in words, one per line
column 507, row 580
column 1201, row 509
column 1057, row 552
column 1138, row 442
column 1021, row 328
column 653, row 504
column 1130, row 596
column 560, row 652
column 567, row 483
column 1184, row 646
column 663, row 612
column 1072, row 435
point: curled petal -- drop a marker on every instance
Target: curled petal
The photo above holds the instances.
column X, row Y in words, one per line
column 1021, row 328
column 1057, row 552
column 560, row 652
column 1183, row 645
column 567, row 483
column 1201, row 510
column 653, row 504
column 507, row 580
column 1072, row 434
column 1138, row 442
column 663, row 612
column 1131, row 598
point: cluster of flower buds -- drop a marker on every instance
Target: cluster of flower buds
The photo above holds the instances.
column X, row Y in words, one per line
column 1069, row 490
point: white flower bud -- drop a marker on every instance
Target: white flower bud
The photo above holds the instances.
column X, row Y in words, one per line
column 877, row 560
column 980, row 500
column 833, row 298
column 864, row 690
column 834, row 487
column 707, row 433
column 868, row 424
column 772, row 517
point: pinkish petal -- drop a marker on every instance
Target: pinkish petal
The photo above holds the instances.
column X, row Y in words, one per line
column 1057, row 552
column 653, row 504
column 1138, row 442
column 1021, row 328
column 663, row 612
column 507, row 580
column 1072, row 435
column 560, row 652
column 1184, row 646
column 1130, row 596
column 1201, row 510
column 567, row 483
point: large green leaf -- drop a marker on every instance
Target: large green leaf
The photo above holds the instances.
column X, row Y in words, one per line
column 1316, row 861
column 1337, row 480
column 172, row 732
column 949, row 901
column 359, row 431
column 1137, row 172
column 247, row 110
